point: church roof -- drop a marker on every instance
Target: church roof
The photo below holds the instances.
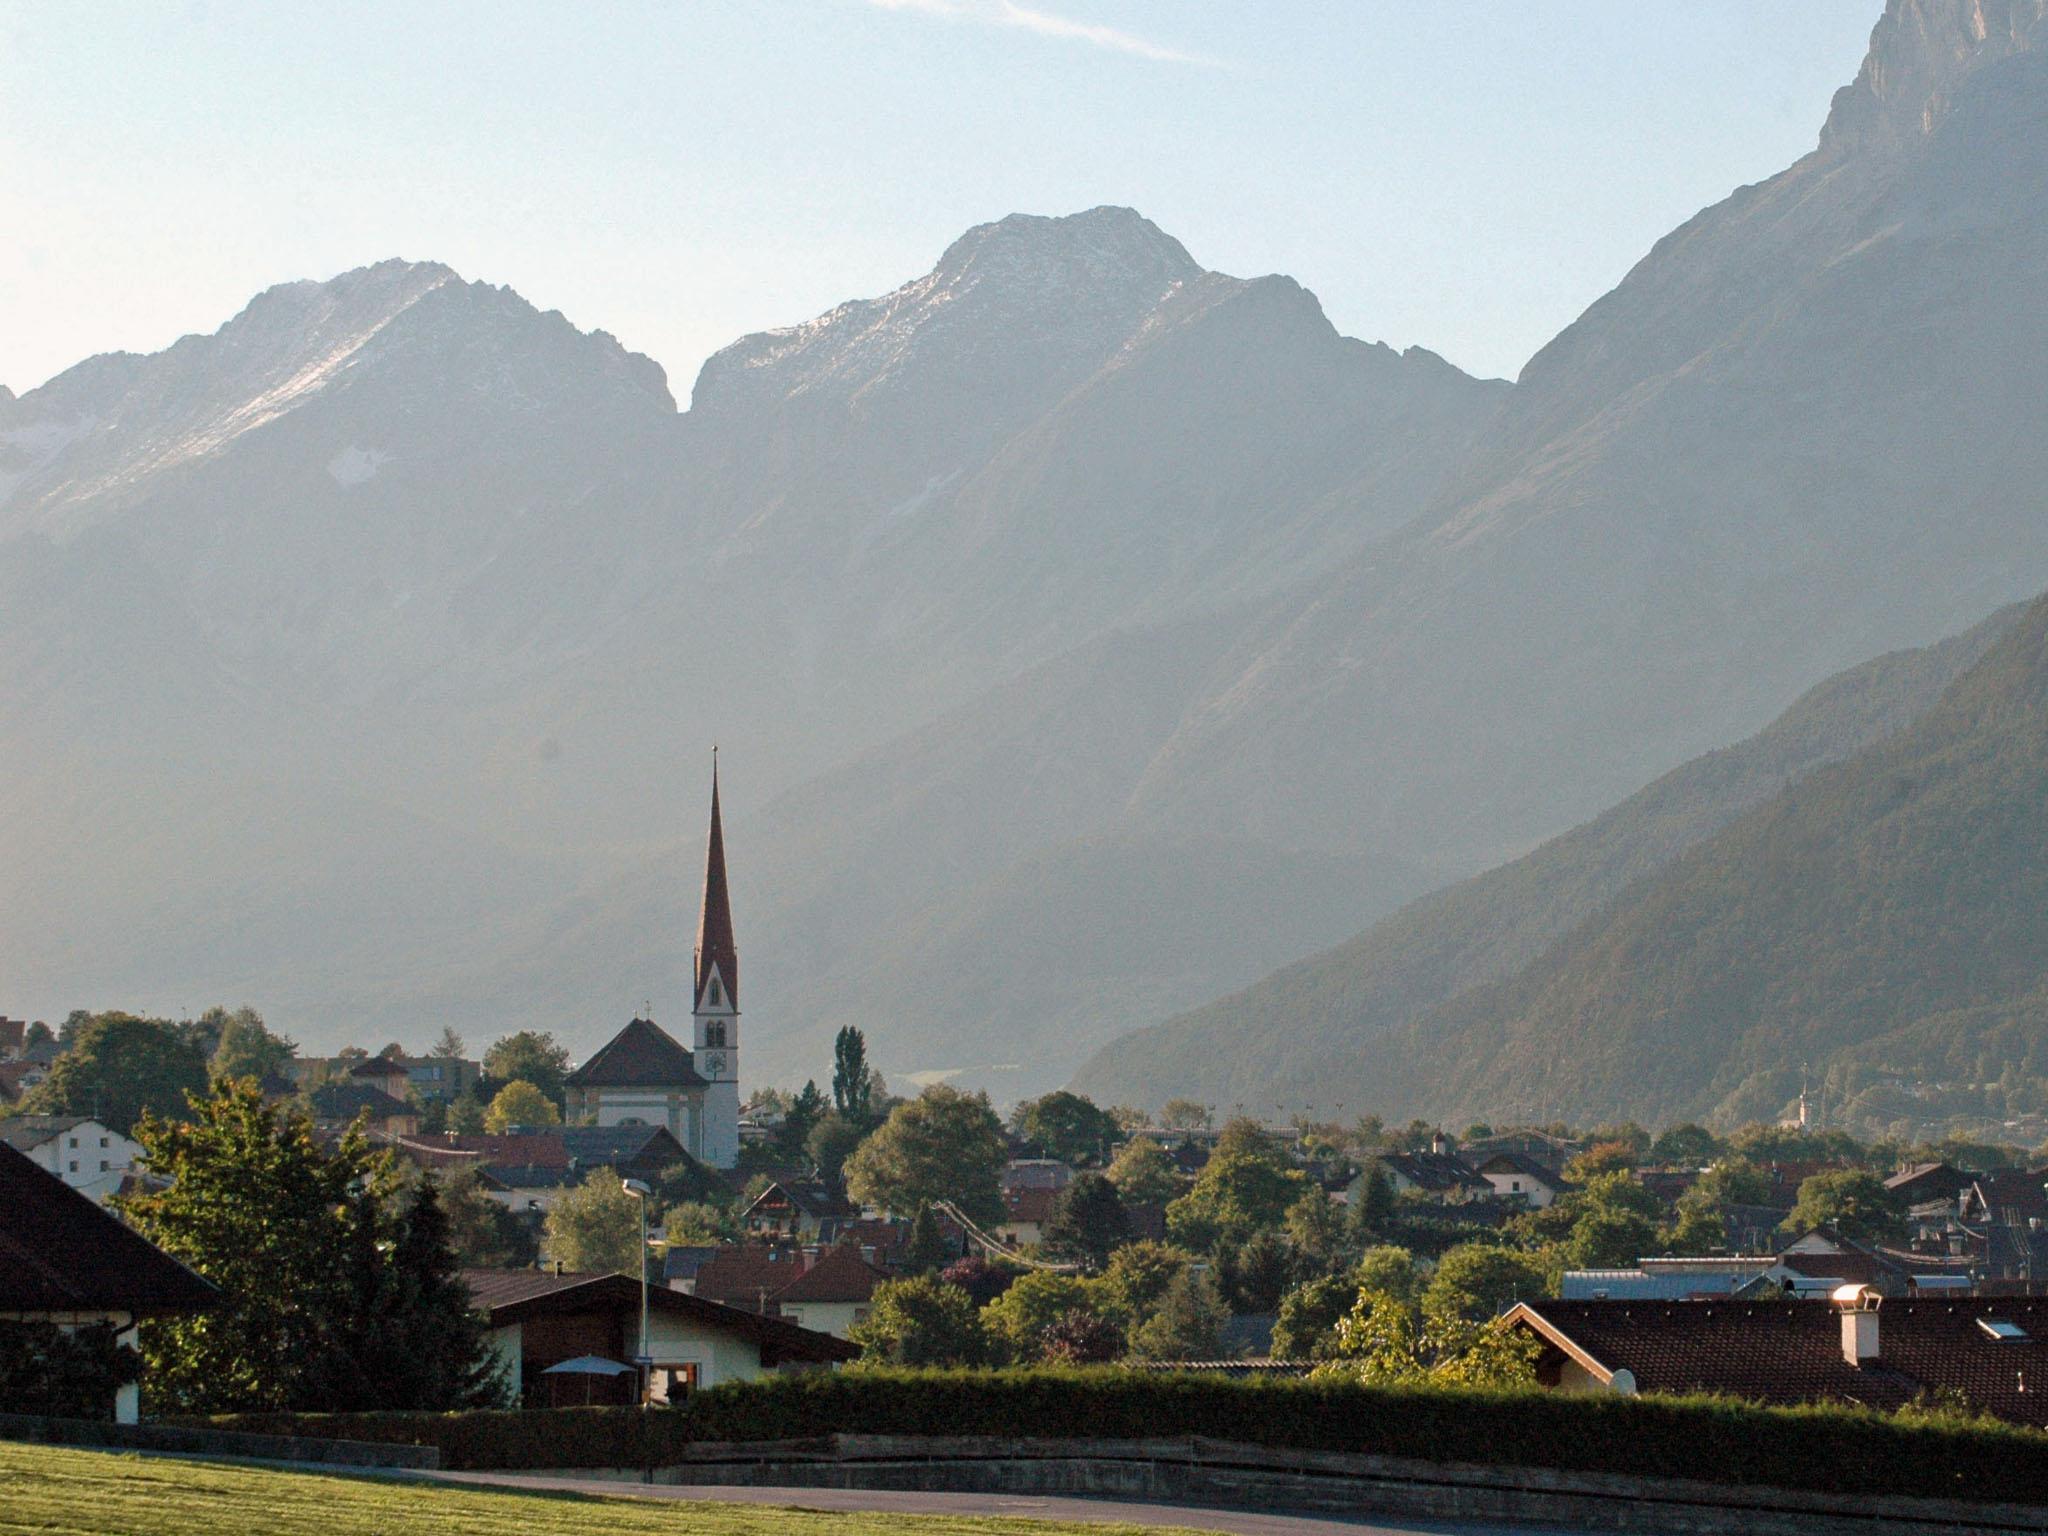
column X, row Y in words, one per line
column 642, row 1055
column 715, row 947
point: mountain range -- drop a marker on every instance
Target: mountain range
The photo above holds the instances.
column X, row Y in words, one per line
column 1088, row 633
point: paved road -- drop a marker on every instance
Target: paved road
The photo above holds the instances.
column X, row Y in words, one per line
column 1018, row 1506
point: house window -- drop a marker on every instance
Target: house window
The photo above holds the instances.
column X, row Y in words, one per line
column 74, row 1143
column 103, row 1165
column 74, row 1161
column 103, row 1141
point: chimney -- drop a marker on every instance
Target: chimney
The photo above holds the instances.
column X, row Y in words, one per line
column 1858, row 1305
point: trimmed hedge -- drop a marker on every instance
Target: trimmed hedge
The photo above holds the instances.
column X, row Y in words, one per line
column 1830, row 1449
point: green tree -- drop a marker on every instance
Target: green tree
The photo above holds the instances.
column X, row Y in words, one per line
column 119, row 1068
column 1138, row 1277
column 1477, row 1281
column 466, row 1116
column 1082, row 1338
column 1374, row 1205
column 449, row 1046
column 1700, row 1229
column 853, row 1093
column 926, row 1250
column 1143, row 1174
column 1188, row 1322
column 327, row 1278
column 595, row 1228
column 830, row 1143
column 1307, row 1324
column 1602, row 1157
column 1734, row 1181
column 1688, row 1146
column 942, row 1145
column 485, row 1233
column 1245, row 1187
column 1254, row 1275
column 1016, row 1320
column 1854, row 1202
column 520, row 1103
column 805, row 1110
column 1389, row 1342
column 430, row 1349
column 1184, row 1115
column 249, row 1050
column 921, row 1321
column 1389, row 1270
column 1066, row 1126
column 530, row 1056
column 1087, row 1222
column 1607, row 1238
column 697, row 1223
column 1315, row 1226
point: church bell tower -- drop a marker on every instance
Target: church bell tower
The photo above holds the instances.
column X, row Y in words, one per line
column 715, row 1012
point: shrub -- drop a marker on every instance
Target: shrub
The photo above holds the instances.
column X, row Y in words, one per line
column 1824, row 1449
column 68, row 1375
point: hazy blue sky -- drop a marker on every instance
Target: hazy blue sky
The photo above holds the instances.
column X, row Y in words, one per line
column 1467, row 176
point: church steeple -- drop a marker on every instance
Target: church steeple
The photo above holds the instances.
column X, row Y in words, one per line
column 717, row 957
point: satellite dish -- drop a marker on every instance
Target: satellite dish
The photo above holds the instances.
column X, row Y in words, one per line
column 1622, row 1382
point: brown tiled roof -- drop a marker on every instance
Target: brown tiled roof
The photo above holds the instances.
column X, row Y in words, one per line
column 511, row 1296
column 379, row 1066
column 715, row 947
column 840, row 1274
column 344, row 1101
column 642, row 1055
column 747, row 1274
column 59, row 1252
column 1791, row 1351
column 1028, row 1204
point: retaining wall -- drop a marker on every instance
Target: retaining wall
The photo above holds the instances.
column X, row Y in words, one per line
column 1221, row 1473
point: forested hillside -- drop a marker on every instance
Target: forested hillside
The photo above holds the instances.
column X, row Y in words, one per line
column 1884, row 920
column 1316, row 1019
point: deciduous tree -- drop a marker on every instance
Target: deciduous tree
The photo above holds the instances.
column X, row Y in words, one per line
column 1067, row 1126
column 1087, row 1223
column 520, row 1104
column 942, row 1145
column 1246, row 1186
column 921, row 1321
column 530, row 1056
column 247, row 1049
column 119, row 1068
column 595, row 1228
column 1143, row 1174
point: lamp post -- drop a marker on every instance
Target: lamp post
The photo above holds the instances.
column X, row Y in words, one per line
column 640, row 1191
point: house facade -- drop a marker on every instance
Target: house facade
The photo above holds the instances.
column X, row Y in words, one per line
column 72, row 1265
column 92, row 1158
column 537, row 1320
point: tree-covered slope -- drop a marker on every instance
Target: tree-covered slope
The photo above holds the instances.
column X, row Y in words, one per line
column 1886, row 914
column 1313, row 1021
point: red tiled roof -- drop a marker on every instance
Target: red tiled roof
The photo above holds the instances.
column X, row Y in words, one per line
column 59, row 1252
column 1791, row 1351
column 715, row 947
column 642, row 1055
column 840, row 1274
column 511, row 1296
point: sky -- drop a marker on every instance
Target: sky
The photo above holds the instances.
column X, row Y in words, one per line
column 1465, row 175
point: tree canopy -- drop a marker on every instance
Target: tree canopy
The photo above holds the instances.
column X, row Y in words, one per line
column 530, row 1056
column 520, row 1103
column 119, row 1068
column 595, row 1228
column 941, row 1145
column 1066, row 1126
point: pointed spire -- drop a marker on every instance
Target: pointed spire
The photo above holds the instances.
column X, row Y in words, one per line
column 714, row 925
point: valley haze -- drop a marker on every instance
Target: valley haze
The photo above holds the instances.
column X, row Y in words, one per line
column 1089, row 635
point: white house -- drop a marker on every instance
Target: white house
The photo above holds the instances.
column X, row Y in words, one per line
column 538, row 1319
column 833, row 1294
column 85, row 1154
column 1515, row 1177
column 71, row 1264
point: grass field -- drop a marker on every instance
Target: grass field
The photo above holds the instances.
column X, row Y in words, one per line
column 101, row 1493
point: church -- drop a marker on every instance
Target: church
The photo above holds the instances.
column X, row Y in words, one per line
column 645, row 1076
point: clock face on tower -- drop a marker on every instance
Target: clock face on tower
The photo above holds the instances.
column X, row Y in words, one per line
column 714, row 1065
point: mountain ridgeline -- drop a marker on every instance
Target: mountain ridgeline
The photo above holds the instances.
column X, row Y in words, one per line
column 1089, row 633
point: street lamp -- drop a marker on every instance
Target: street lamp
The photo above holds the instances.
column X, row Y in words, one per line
column 640, row 1191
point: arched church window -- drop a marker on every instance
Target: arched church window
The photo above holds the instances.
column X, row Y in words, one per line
column 714, row 1032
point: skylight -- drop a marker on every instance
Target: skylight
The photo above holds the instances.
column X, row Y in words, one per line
column 2001, row 1330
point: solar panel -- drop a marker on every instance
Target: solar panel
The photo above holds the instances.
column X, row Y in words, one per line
column 2001, row 1330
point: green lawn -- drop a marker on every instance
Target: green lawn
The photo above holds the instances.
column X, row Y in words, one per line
column 103, row 1493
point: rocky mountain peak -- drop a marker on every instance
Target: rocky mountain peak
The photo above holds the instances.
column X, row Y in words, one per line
column 1048, row 295
column 1920, row 52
